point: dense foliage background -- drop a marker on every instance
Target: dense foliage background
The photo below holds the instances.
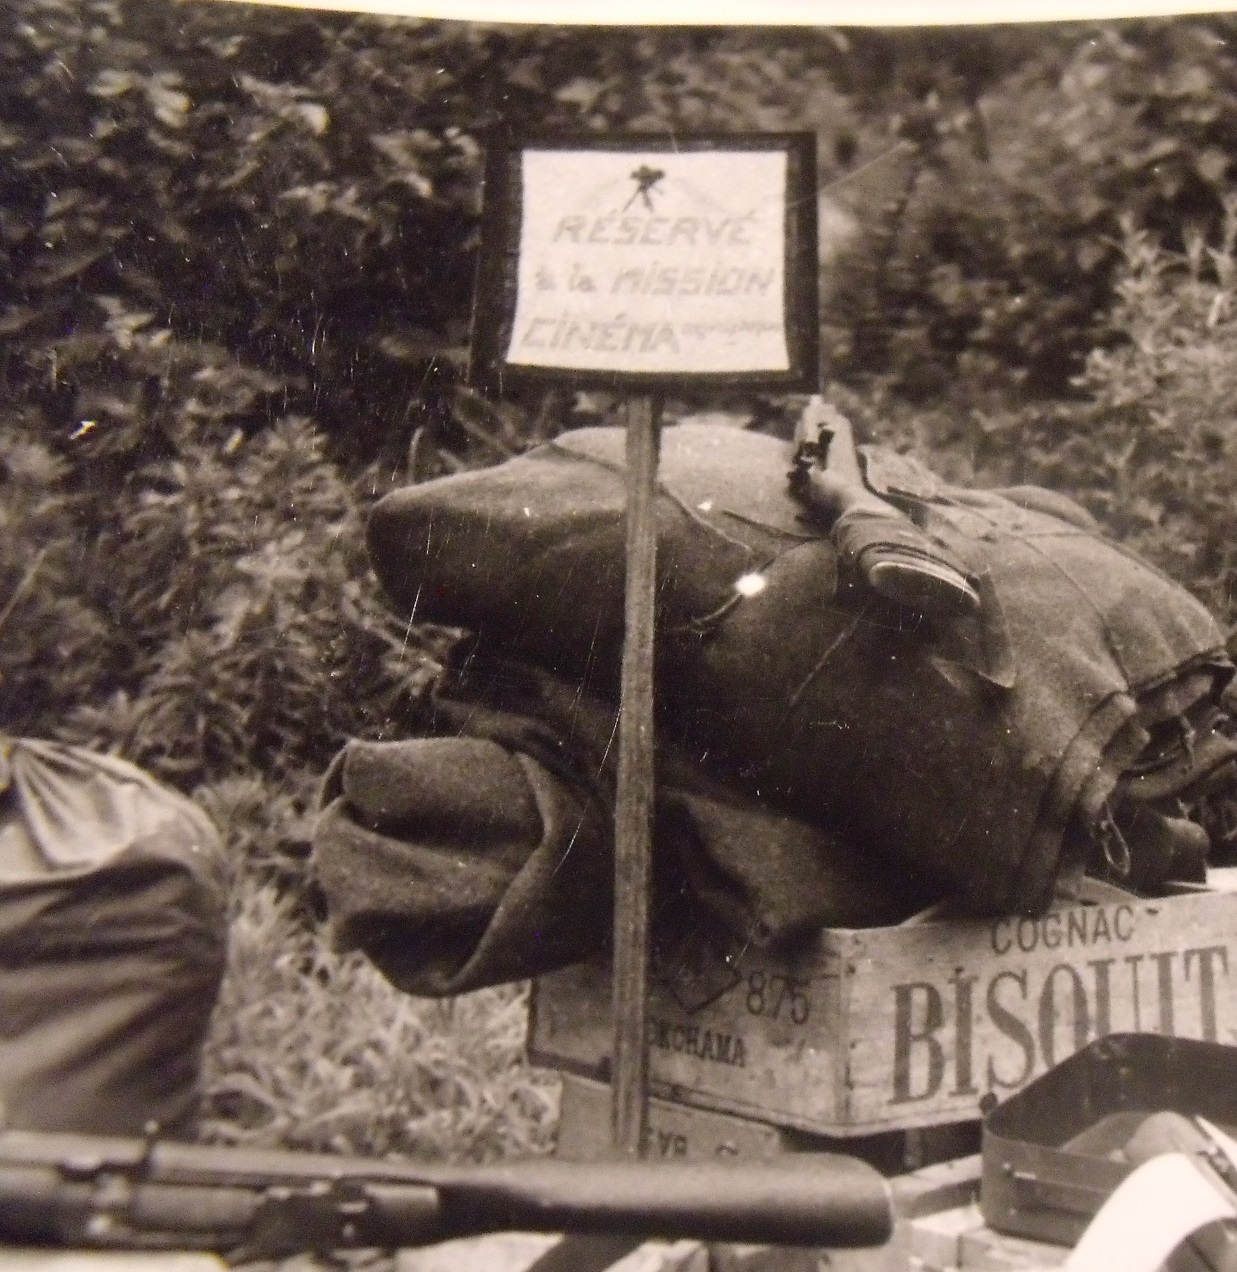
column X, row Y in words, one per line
column 236, row 253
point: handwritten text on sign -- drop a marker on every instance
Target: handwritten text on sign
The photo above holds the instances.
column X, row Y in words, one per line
column 661, row 262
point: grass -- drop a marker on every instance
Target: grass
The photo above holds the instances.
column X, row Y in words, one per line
column 316, row 1050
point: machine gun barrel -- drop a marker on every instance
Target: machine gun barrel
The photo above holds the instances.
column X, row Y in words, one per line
column 99, row 1192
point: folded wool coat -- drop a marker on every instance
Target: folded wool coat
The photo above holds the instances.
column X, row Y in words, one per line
column 483, row 852
column 976, row 755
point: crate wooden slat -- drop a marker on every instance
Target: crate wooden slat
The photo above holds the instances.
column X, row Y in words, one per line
column 674, row 1131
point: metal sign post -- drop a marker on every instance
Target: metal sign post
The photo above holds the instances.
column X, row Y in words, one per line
column 642, row 265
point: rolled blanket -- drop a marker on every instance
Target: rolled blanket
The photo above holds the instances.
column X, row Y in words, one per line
column 976, row 754
column 485, row 854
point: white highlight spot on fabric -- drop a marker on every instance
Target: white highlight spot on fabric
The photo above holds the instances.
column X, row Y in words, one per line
column 706, row 506
column 750, row 584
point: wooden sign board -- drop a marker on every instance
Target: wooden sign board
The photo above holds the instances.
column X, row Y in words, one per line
column 913, row 1026
column 645, row 263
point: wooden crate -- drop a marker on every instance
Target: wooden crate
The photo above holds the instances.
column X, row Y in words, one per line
column 957, row 1240
column 909, row 1026
column 674, row 1130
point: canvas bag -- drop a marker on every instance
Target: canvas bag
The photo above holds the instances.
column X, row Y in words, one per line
column 112, row 943
column 973, row 755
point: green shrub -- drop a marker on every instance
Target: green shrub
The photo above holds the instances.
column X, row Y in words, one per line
column 313, row 1050
column 1155, row 452
column 55, row 647
column 988, row 247
column 216, row 616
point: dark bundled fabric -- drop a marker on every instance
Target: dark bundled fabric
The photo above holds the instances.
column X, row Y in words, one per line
column 484, row 853
column 112, row 943
column 971, row 755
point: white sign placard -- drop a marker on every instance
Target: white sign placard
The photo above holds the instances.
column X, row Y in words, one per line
column 655, row 263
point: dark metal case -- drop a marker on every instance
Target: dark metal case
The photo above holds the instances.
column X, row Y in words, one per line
column 1051, row 1153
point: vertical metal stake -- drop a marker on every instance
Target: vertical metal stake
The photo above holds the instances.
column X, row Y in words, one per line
column 633, row 815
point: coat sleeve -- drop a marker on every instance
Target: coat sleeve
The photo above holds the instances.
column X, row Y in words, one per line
column 455, row 862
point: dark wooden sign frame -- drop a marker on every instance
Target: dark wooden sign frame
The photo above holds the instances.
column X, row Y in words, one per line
column 496, row 291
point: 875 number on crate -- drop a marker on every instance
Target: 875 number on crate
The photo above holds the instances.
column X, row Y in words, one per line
column 771, row 995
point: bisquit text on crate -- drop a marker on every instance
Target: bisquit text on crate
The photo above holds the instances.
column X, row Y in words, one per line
column 976, row 1032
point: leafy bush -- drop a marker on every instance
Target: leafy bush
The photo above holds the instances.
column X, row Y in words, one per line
column 220, row 217
column 1154, row 452
column 313, row 1050
column 216, row 616
column 216, row 217
column 54, row 645
column 988, row 248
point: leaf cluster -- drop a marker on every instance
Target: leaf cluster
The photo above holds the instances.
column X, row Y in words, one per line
column 213, row 614
column 313, row 1050
column 1153, row 450
column 245, row 213
column 985, row 250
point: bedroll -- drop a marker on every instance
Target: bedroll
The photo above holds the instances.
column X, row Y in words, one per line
column 972, row 754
